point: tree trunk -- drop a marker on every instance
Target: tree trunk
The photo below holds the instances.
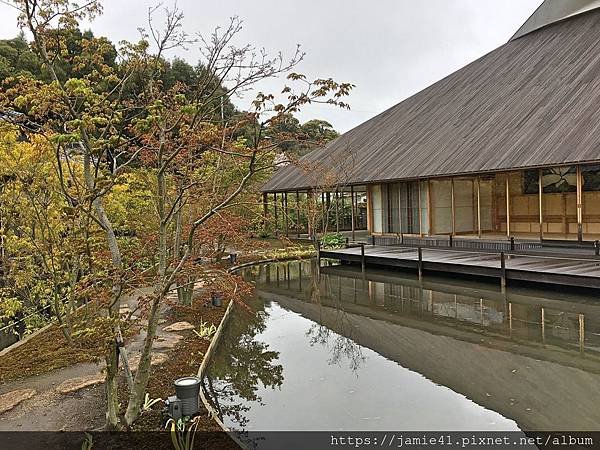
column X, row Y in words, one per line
column 112, row 398
column 136, row 396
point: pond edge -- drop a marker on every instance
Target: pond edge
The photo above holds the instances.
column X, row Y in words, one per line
column 215, row 341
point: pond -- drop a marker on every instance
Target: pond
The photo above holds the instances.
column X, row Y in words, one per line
column 331, row 348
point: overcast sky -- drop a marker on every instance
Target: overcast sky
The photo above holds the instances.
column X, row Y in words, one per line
column 389, row 49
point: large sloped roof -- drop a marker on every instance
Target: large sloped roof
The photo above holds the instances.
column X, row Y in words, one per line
column 533, row 102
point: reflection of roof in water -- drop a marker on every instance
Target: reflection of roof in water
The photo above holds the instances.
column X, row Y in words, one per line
column 538, row 394
column 541, row 387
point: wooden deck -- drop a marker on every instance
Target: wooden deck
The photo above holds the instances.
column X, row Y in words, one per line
column 549, row 269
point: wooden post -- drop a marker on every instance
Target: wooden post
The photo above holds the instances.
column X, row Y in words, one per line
column 298, row 213
column 579, row 204
column 478, row 206
column 429, row 209
column 502, row 271
column 453, row 207
column 337, row 213
column 369, row 209
column 285, row 214
column 507, row 206
column 353, row 217
column 420, row 263
column 541, row 203
column 309, row 228
column 581, row 333
column 276, row 218
column 420, row 211
column 362, row 257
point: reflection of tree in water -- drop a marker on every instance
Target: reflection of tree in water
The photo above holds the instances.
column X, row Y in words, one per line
column 241, row 365
column 341, row 345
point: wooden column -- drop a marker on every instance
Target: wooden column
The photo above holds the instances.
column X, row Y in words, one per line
column 297, row 213
column 275, row 209
column 579, row 204
column 352, row 217
column 420, row 211
column 507, row 206
column 478, row 206
column 309, row 197
column 285, row 214
column 541, row 204
column 337, row 212
column 429, row 209
column 453, row 208
column 369, row 210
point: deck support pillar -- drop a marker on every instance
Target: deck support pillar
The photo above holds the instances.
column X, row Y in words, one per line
column 420, row 263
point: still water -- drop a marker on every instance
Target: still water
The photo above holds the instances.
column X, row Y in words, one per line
column 333, row 349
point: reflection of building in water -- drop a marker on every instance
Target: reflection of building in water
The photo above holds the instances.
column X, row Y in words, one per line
column 517, row 353
column 535, row 316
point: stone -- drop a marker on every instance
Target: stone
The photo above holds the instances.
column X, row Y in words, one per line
column 78, row 383
column 179, row 326
column 168, row 341
column 11, row 399
column 157, row 358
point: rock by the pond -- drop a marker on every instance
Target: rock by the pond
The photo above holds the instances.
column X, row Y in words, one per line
column 11, row 399
column 157, row 358
column 78, row 383
column 168, row 341
column 179, row 326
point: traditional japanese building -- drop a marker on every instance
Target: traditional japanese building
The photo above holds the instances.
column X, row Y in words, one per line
column 507, row 146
